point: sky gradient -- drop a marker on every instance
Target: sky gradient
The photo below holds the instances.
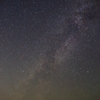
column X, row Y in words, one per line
column 49, row 50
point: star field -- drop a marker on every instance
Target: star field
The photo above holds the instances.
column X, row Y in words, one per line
column 49, row 50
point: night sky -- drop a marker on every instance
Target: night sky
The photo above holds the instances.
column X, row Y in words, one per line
column 50, row 50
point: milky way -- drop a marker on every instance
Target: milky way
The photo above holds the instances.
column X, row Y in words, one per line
column 49, row 50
